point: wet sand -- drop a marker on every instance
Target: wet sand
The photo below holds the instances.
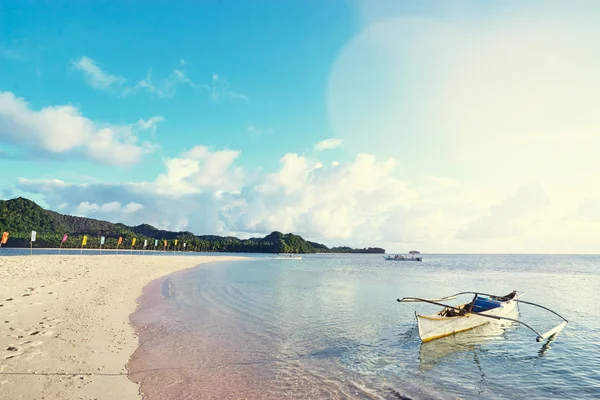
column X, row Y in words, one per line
column 64, row 322
column 180, row 358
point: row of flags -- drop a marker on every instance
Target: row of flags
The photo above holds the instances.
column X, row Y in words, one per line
column 85, row 239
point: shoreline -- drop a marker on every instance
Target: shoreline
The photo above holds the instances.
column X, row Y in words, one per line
column 65, row 330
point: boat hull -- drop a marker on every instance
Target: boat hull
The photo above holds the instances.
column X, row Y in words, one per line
column 433, row 327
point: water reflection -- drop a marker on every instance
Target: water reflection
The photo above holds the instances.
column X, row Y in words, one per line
column 452, row 347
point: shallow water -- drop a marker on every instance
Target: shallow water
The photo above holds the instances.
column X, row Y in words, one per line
column 329, row 326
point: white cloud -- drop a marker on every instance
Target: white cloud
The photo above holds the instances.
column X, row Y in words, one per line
column 218, row 88
column 511, row 217
column 358, row 202
column 62, row 130
column 254, row 130
column 96, row 76
column 199, row 170
column 328, row 144
column 150, row 123
column 163, row 88
column 112, row 210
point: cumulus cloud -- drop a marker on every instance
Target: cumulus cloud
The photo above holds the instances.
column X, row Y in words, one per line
column 199, row 170
column 359, row 202
column 95, row 76
column 203, row 190
column 63, row 130
column 328, row 144
column 86, row 208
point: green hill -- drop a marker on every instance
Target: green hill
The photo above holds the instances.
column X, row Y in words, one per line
column 20, row 216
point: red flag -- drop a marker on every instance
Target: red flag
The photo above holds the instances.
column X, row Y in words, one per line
column 64, row 238
column 4, row 237
column 120, row 240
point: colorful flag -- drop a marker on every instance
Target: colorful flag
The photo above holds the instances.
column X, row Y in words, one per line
column 120, row 240
column 175, row 242
column 155, row 242
column 102, row 239
column 4, row 237
column 84, row 241
column 64, row 238
column 133, row 242
column 145, row 243
column 165, row 243
column 33, row 235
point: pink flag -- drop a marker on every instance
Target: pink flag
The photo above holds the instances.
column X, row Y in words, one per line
column 64, row 238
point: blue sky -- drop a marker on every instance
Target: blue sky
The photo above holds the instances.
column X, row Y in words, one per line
column 443, row 126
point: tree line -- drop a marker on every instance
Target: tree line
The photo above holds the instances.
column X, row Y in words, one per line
column 20, row 216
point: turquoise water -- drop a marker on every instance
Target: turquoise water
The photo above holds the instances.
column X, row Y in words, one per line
column 329, row 326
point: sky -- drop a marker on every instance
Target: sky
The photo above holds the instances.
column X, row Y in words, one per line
column 446, row 127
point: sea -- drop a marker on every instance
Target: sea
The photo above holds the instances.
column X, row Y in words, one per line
column 330, row 327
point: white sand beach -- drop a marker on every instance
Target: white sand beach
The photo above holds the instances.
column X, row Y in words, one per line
column 64, row 322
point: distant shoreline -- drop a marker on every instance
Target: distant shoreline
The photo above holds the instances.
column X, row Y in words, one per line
column 121, row 249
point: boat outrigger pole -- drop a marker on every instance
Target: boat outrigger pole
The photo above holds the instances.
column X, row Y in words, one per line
column 540, row 336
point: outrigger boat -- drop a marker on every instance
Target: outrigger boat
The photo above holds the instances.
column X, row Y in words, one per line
column 483, row 309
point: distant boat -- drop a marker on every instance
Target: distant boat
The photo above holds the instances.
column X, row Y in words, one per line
column 413, row 255
column 286, row 257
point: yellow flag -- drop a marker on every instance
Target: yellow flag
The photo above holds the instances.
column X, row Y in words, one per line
column 133, row 242
column 84, row 241
column 165, row 243
column 175, row 242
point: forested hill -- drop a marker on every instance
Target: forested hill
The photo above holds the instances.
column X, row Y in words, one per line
column 20, row 216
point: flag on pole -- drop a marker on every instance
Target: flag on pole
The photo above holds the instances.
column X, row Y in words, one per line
column 165, row 243
column 133, row 242
column 102, row 239
column 64, row 238
column 175, row 242
column 184, row 245
column 145, row 243
column 84, row 241
column 33, row 235
column 155, row 242
column 120, row 240
column 4, row 237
